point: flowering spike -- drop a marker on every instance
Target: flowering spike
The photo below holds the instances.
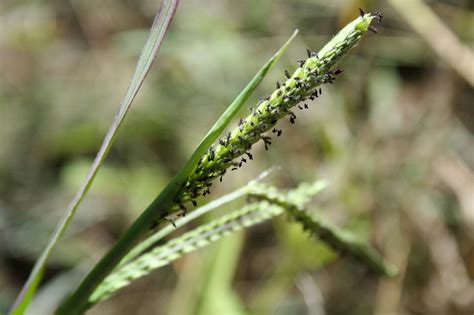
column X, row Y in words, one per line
column 304, row 83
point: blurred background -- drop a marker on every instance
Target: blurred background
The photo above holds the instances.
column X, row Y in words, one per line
column 393, row 137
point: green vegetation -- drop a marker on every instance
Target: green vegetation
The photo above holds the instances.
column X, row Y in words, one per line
column 390, row 138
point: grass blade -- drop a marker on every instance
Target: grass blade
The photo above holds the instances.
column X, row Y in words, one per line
column 162, row 21
column 159, row 207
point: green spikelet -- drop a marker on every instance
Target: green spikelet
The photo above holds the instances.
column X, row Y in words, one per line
column 200, row 237
column 341, row 241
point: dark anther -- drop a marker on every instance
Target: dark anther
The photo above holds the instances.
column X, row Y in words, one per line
column 373, row 29
column 300, row 62
column 244, row 160
column 171, row 221
column 278, row 85
column 305, row 105
column 362, row 12
column 308, row 52
column 287, row 74
column 299, row 106
column 267, row 142
column 320, row 91
column 222, row 174
column 249, row 155
column 379, row 16
column 212, row 153
column 337, row 71
column 194, row 202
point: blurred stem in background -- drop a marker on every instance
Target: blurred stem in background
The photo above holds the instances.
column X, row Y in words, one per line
column 438, row 36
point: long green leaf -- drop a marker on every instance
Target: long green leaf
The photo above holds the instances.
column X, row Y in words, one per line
column 78, row 302
column 158, row 31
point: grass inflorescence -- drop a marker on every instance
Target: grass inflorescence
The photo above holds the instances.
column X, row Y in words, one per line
column 200, row 237
column 233, row 150
column 339, row 240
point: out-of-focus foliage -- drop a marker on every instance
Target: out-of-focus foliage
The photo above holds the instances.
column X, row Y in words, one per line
column 393, row 137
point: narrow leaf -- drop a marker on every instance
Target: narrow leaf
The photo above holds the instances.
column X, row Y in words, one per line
column 162, row 21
